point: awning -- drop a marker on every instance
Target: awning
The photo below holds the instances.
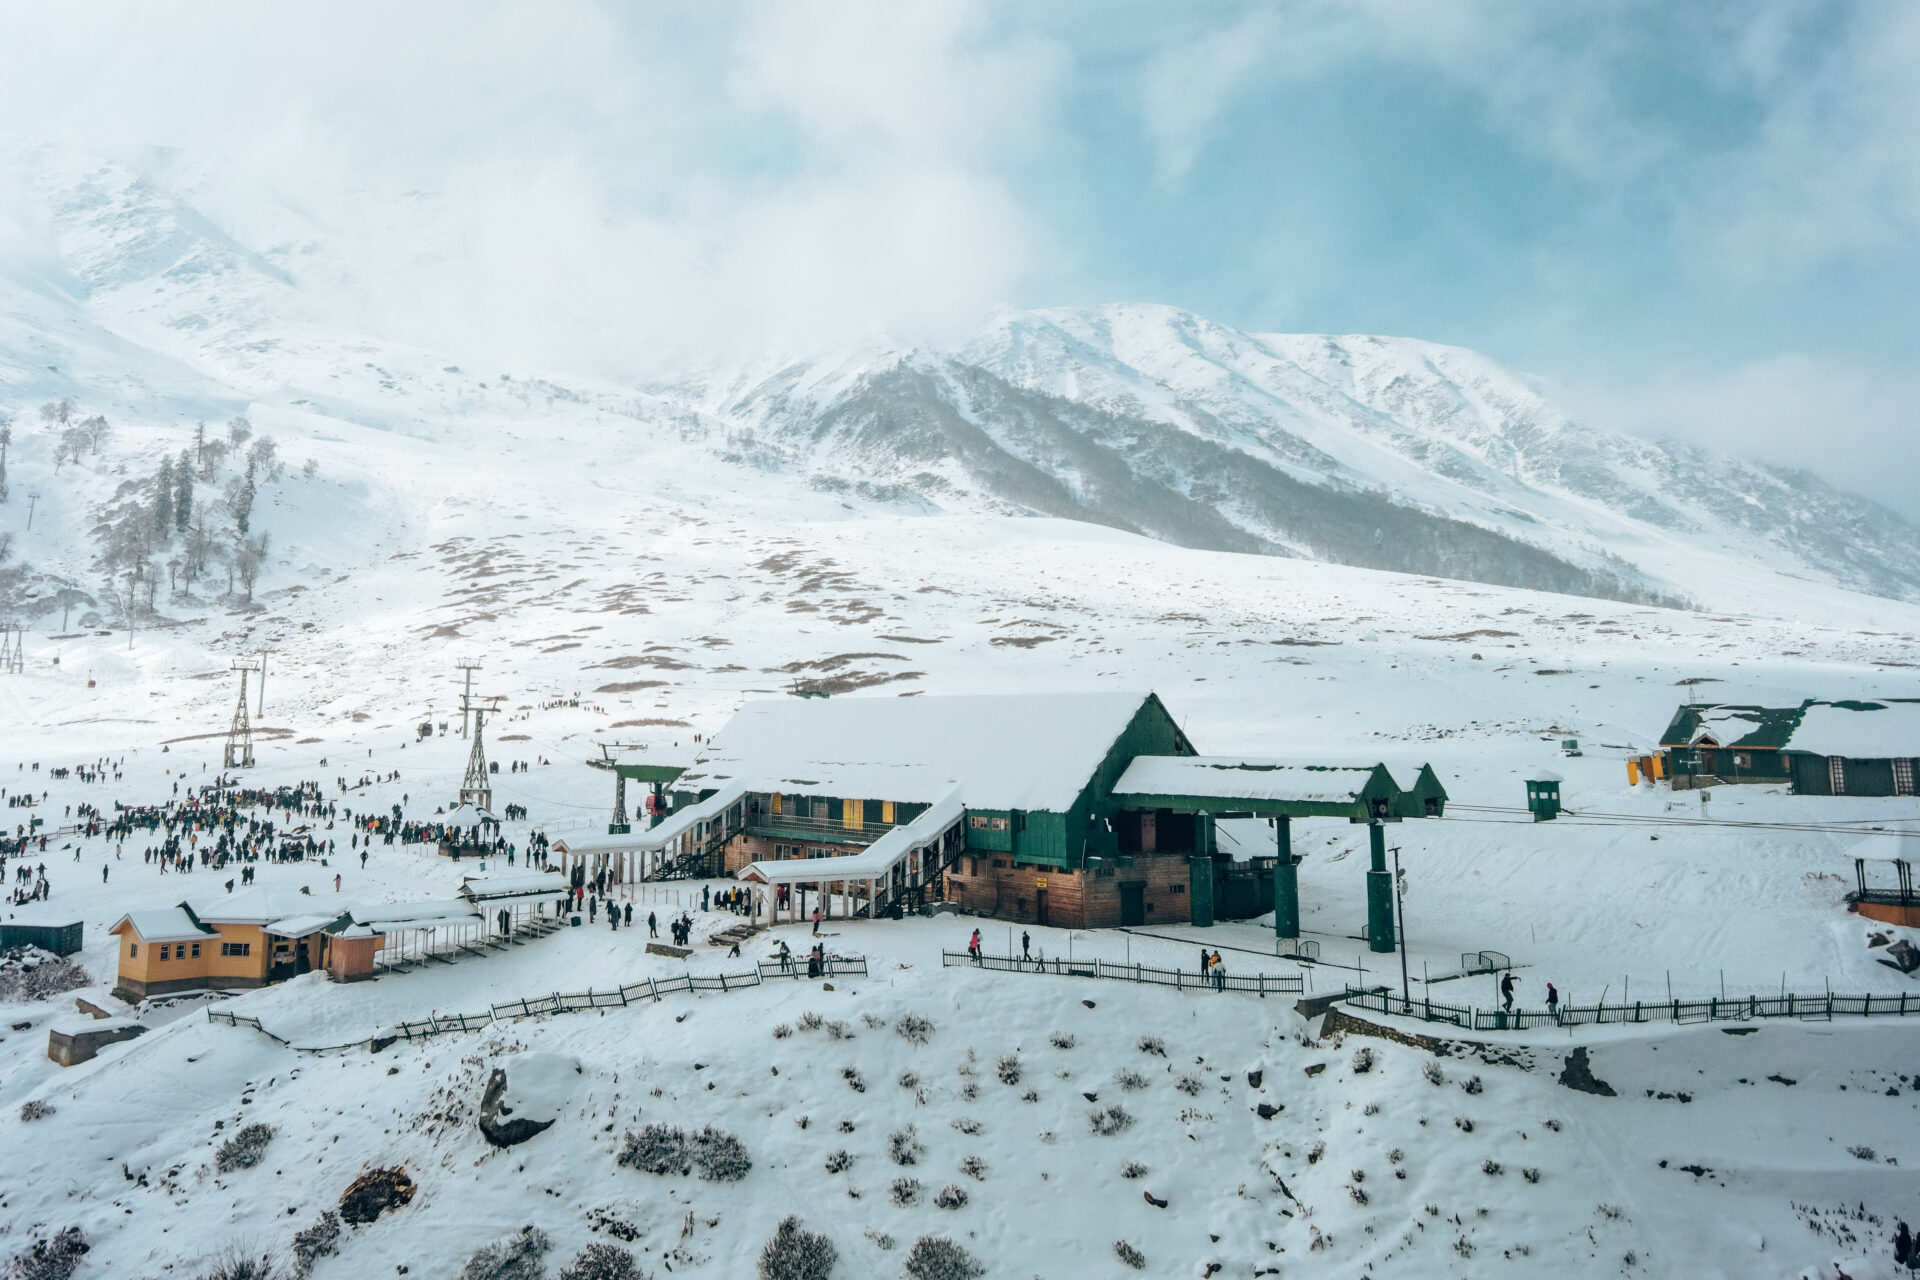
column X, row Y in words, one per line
column 298, row 926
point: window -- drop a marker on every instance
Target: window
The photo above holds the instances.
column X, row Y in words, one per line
column 1903, row 777
column 1019, row 822
column 776, row 802
column 1178, row 888
column 163, row 951
column 1837, row 775
column 977, row 822
column 236, row 948
column 196, row 951
column 999, row 824
column 133, row 950
column 999, row 862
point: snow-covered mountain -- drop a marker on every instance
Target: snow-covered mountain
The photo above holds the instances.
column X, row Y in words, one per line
column 124, row 287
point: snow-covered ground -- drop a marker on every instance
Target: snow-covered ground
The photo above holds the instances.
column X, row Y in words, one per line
column 581, row 538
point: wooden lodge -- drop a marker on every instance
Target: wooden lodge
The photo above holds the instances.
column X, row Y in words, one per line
column 1083, row 810
column 1819, row 748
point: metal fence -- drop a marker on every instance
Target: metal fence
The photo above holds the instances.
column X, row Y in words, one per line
column 1813, row 1008
column 1259, row 983
column 573, row 1001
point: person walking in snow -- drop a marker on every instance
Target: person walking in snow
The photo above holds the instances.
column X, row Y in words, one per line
column 1553, row 1003
column 1204, row 962
column 653, row 924
column 627, row 913
column 336, row 882
column 1506, row 991
column 1219, row 971
column 816, row 922
column 973, row 946
column 103, row 873
column 786, row 957
column 1026, row 945
column 363, row 859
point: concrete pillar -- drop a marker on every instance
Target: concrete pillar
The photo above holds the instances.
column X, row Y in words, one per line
column 1286, row 882
column 1200, row 890
column 1379, row 892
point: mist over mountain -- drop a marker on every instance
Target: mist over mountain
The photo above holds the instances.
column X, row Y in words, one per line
column 125, row 288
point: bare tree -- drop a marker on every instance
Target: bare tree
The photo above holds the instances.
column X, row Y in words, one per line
column 6, row 438
column 6, row 544
column 264, row 458
column 237, row 432
column 248, row 557
column 97, row 429
column 57, row 413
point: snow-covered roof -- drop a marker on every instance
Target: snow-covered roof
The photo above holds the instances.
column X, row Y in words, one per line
column 513, row 886
column 1234, row 778
column 1858, row 730
column 1022, row 751
column 298, row 926
column 675, row 824
column 260, row 904
column 876, row 861
column 162, row 924
column 391, row 917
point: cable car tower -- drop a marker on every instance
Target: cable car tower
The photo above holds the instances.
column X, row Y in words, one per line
column 239, row 752
column 475, row 789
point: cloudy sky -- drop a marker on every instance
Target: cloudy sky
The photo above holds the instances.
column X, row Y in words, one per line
column 1699, row 218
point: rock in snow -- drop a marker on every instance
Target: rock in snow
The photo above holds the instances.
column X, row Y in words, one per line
column 526, row 1096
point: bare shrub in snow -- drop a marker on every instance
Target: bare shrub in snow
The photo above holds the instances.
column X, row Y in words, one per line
column 1031, row 1095
column 903, row 1146
column 855, row 1081
column 839, row 1161
column 719, row 1156
column 1190, row 1085
column 1463, row 1124
column 236, row 1263
column 1862, row 1153
column 1008, row 1069
column 1133, row 1169
column 656, row 1148
column 1431, row 1070
column 1129, row 1255
column 951, row 1197
column 938, row 1258
column 1061, row 1040
column 969, row 1091
column 1315, row 1152
column 35, row 1109
column 845, row 1126
column 873, row 1020
column 909, row 1080
column 1359, row 1193
column 1554, row 1125
column 521, row 1256
column 1152, row 1045
column 795, row 1253
column 967, row 1125
column 1362, row 1060
column 1530, row 1173
column 839, row 1031
column 913, row 1028
column 974, row 1167
column 1110, row 1120
column 32, row 973
column 811, row 1021
column 601, row 1261
column 313, row 1243
column 1131, row 1081
column 1491, row 1167
column 1371, row 1109
column 54, row 1258
column 1472, row 1084
column 782, row 1031
column 244, row 1149
column 1611, row 1212
column 904, row 1192
column 881, row 1240
column 1395, row 1156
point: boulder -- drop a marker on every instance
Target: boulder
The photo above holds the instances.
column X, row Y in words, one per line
column 374, row 1192
column 526, row 1095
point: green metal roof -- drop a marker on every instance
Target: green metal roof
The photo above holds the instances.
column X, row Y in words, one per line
column 1261, row 788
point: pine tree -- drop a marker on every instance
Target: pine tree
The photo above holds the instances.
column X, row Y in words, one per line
column 163, row 500
column 243, row 503
column 183, row 494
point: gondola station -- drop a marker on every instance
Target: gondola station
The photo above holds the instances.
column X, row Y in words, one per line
column 1077, row 809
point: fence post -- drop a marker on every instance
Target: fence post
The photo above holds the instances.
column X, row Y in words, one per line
column 1636, row 1011
column 654, row 986
column 723, row 982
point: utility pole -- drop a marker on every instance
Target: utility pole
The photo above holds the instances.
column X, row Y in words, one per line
column 260, row 708
column 1400, row 902
column 468, row 665
column 132, row 599
column 33, row 497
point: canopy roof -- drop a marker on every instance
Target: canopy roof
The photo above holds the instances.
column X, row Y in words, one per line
column 513, row 886
column 300, row 926
column 875, row 862
column 1023, row 751
column 1266, row 788
column 261, row 904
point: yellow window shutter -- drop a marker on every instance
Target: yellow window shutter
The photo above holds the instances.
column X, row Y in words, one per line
column 849, row 813
column 776, row 802
column 886, row 812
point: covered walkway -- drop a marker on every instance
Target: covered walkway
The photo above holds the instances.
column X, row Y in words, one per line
column 907, row 857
